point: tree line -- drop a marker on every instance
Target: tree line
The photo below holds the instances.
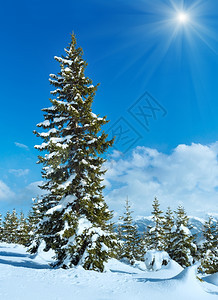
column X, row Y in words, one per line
column 171, row 232
column 18, row 229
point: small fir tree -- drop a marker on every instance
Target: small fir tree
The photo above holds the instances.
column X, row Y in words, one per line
column 155, row 234
column 209, row 249
column 23, row 231
column 1, row 228
column 10, row 227
column 142, row 245
column 168, row 224
column 75, row 222
column 34, row 218
column 183, row 247
column 128, row 237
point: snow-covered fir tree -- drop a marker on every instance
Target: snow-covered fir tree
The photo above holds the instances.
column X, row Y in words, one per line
column 10, row 227
column 209, row 249
column 143, row 245
column 183, row 248
column 76, row 218
column 34, row 217
column 1, row 228
column 23, row 231
column 168, row 224
column 155, row 234
column 129, row 239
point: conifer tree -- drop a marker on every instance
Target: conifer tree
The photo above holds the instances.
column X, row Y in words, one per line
column 1, row 228
column 183, row 247
column 155, row 234
column 23, row 231
column 75, row 221
column 34, row 218
column 209, row 250
column 168, row 224
column 5, row 227
column 128, row 237
column 10, row 227
column 142, row 245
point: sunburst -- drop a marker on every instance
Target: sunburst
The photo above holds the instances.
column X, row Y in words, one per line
column 183, row 17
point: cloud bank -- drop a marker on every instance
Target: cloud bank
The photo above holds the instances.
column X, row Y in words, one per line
column 187, row 176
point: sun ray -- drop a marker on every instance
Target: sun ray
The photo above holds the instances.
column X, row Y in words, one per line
column 169, row 27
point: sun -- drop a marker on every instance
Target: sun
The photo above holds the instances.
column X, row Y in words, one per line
column 183, row 17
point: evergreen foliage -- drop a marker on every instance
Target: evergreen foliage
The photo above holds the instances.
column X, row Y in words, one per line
column 142, row 246
column 209, row 249
column 10, row 227
column 34, row 218
column 23, row 231
column 183, row 248
column 155, row 235
column 168, row 224
column 1, row 228
column 75, row 215
column 129, row 245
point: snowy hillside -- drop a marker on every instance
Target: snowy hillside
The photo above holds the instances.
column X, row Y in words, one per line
column 29, row 277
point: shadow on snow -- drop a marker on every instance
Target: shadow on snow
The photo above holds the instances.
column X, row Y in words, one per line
column 28, row 263
column 122, row 272
column 24, row 264
column 5, row 253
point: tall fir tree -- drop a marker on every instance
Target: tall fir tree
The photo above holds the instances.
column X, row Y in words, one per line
column 129, row 246
column 168, row 224
column 155, row 234
column 76, row 218
column 209, row 249
column 183, row 247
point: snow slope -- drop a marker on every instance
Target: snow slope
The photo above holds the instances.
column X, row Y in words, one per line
column 29, row 277
column 212, row 279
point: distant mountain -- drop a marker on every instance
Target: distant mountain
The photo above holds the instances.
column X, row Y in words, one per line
column 143, row 222
column 197, row 224
column 197, row 227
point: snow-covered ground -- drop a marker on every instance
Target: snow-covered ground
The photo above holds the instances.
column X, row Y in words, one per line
column 26, row 277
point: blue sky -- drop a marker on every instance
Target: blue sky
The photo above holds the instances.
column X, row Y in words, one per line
column 131, row 49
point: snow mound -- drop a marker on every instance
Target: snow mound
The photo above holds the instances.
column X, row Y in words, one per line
column 211, row 279
column 188, row 275
column 155, row 260
column 173, row 267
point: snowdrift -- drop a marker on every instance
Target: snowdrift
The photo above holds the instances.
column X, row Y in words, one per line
column 24, row 277
column 213, row 279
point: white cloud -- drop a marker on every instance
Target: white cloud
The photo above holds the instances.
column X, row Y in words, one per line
column 21, row 146
column 19, row 172
column 187, row 176
column 20, row 197
column 5, row 191
column 32, row 190
column 34, row 187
